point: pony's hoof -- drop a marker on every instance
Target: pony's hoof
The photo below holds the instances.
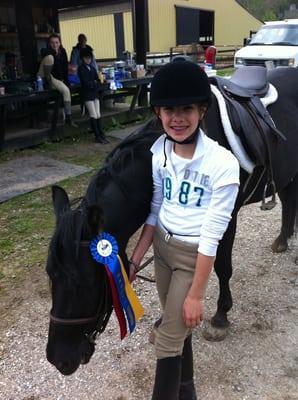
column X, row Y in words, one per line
column 212, row 333
column 279, row 246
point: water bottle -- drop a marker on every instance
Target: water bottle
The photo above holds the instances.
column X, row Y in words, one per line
column 39, row 84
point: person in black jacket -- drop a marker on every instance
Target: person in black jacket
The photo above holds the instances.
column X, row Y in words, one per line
column 54, row 70
column 89, row 92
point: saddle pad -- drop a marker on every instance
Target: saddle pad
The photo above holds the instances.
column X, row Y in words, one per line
column 234, row 141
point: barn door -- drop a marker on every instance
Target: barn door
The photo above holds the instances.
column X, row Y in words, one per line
column 206, row 27
column 194, row 26
column 187, row 25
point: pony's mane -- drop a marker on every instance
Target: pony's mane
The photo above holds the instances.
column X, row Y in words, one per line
column 66, row 236
column 124, row 153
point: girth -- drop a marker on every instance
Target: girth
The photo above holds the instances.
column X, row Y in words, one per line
column 249, row 118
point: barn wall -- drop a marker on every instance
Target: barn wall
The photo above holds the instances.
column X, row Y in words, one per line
column 97, row 23
column 232, row 22
column 128, row 37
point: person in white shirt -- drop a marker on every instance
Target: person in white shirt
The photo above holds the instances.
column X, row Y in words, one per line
column 195, row 187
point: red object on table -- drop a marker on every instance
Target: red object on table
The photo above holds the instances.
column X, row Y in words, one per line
column 210, row 55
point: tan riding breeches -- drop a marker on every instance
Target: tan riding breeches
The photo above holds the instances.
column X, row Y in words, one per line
column 93, row 107
column 174, row 262
column 48, row 61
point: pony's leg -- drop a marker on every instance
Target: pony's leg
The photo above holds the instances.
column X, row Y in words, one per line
column 288, row 197
column 223, row 269
column 218, row 328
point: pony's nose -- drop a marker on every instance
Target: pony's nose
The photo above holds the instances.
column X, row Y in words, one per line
column 66, row 367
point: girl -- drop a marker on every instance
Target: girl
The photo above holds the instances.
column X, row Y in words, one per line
column 54, row 70
column 195, row 187
column 89, row 92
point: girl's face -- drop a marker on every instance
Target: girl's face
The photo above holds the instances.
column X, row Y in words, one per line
column 87, row 60
column 182, row 121
column 55, row 44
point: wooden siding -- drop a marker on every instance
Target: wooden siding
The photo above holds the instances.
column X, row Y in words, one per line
column 128, row 34
column 232, row 22
column 99, row 30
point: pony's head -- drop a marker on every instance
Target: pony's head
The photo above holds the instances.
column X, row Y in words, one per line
column 81, row 299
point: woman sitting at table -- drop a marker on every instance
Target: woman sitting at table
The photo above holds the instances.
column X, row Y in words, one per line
column 54, row 70
column 89, row 92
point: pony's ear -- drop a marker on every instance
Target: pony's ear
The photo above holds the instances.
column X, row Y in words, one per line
column 60, row 200
column 95, row 218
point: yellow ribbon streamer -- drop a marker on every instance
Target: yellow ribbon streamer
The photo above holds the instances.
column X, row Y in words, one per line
column 132, row 297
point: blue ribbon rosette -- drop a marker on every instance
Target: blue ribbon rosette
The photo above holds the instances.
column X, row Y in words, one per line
column 104, row 250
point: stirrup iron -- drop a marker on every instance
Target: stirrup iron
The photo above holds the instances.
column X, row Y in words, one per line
column 270, row 203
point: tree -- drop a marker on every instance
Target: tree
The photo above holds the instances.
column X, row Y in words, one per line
column 266, row 10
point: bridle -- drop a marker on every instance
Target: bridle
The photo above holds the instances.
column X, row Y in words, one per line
column 104, row 310
column 100, row 318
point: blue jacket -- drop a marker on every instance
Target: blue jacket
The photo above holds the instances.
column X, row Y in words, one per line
column 75, row 56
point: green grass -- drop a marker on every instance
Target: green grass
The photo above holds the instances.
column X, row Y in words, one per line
column 27, row 221
column 225, row 72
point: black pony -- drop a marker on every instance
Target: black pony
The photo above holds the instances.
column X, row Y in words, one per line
column 118, row 200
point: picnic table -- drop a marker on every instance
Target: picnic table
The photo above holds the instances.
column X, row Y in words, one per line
column 36, row 101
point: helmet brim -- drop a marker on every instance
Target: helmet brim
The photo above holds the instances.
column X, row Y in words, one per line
column 179, row 102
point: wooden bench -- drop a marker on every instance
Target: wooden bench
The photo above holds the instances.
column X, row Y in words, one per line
column 35, row 103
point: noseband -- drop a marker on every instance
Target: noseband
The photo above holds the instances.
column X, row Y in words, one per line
column 101, row 317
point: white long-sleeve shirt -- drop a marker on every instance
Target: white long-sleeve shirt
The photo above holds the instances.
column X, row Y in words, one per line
column 194, row 198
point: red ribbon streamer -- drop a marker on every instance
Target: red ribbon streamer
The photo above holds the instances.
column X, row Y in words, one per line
column 117, row 306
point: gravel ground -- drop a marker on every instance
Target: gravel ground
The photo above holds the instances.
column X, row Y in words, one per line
column 258, row 360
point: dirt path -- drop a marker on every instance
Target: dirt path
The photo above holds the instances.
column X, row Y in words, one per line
column 257, row 361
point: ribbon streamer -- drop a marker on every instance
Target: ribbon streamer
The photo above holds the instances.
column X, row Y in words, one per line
column 104, row 250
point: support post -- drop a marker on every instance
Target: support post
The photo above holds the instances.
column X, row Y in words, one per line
column 26, row 36
column 141, row 39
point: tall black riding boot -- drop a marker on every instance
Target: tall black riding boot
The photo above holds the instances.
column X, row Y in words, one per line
column 167, row 379
column 98, row 138
column 101, row 132
column 187, row 387
column 90, row 129
column 69, row 121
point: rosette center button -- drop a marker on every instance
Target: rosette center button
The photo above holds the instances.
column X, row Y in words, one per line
column 104, row 248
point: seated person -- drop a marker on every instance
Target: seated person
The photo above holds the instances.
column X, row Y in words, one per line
column 54, row 70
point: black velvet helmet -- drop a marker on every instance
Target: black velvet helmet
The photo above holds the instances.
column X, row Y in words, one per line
column 85, row 52
column 180, row 83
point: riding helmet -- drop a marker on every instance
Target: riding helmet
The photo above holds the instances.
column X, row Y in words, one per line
column 180, row 83
column 85, row 52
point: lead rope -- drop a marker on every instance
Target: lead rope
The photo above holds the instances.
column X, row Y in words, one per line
column 149, row 261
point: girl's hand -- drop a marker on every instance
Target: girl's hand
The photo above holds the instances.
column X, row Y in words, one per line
column 132, row 271
column 193, row 311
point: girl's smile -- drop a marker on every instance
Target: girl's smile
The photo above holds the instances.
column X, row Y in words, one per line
column 182, row 121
